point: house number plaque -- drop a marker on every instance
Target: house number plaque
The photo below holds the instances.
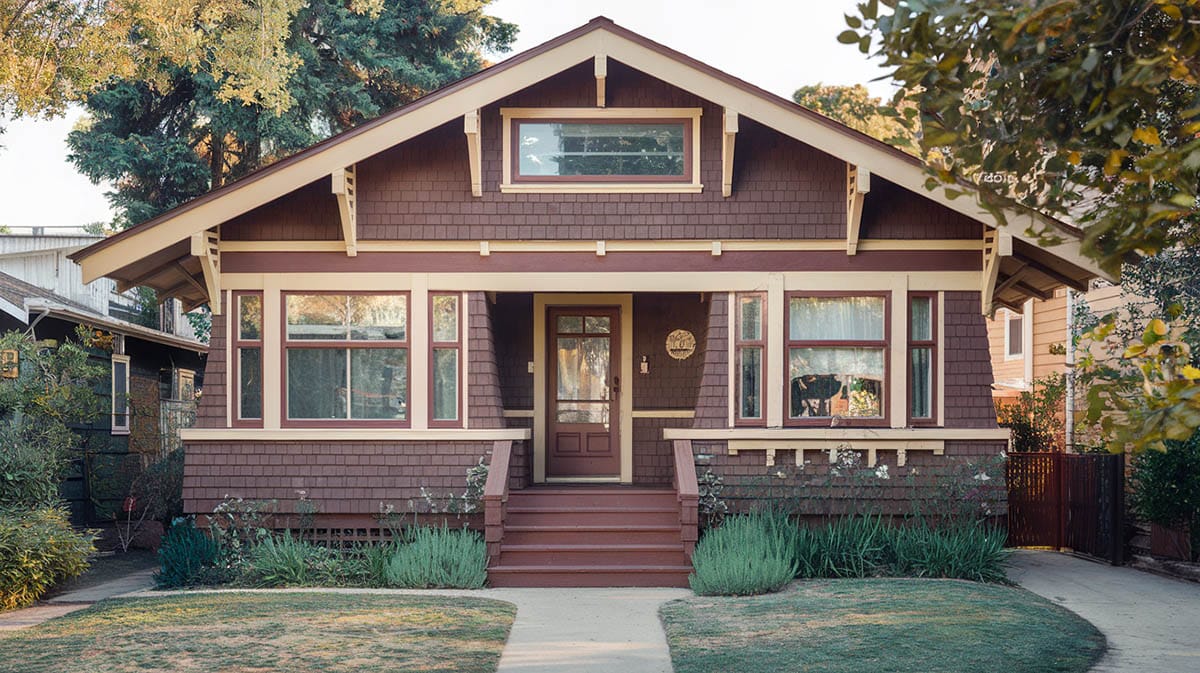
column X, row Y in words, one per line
column 681, row 344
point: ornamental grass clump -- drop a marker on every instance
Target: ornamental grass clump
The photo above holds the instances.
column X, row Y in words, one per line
column 285, row 561
column 189, row 557
column 439, row 558
column 748, row 555
column 966, row 552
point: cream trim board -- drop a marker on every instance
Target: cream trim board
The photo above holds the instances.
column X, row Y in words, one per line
column 770, row 111
column 508, row 115
column 941, row 358
column 839, row 434
column 518, row 413
column 231, row 391
column 272, row 345
column 898, row 354
column 664, row 413
column 543, row 301
column 643, row 281
column 351, row 434
column 464, row 354
column 419, row 355
column 647, row 245
column 731, row 309
column 776, row 360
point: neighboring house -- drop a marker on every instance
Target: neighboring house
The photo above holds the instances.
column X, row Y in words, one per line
column 1031, row 340
column 151, row 391
column 595, row 265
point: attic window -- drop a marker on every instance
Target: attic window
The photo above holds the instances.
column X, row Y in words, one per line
column 597, row 150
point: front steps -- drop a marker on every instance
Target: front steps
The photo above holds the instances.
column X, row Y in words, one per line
column 587, row 536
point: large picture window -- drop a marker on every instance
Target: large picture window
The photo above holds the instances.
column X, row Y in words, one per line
column 247, row 354
column 837, row 358
column 922, row 355
column 749, row 349
column 346, row 358
column 598, row 150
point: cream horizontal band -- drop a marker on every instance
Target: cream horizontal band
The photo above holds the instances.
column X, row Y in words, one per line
column 836, row 434
column 351, row 434
column 682, row 245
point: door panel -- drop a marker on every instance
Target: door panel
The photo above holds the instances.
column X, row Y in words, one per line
column 585, row 387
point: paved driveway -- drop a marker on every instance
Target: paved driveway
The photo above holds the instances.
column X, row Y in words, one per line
column 1152, row 623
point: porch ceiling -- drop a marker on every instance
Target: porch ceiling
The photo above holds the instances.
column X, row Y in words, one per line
column 1033, row 273
column 172, row 272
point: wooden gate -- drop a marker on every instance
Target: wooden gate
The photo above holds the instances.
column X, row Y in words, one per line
column 1067, row 501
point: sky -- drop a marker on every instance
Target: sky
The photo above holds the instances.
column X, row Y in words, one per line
column 778, row 45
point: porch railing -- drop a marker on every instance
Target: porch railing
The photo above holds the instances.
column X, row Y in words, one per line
column 686, row 485
column 495, row 498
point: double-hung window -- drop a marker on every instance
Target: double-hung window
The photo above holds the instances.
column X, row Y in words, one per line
column 837, row 358
column 346, row 358
column 445, row 343
column 247, row 355
column 749, row 350
column 922, row 354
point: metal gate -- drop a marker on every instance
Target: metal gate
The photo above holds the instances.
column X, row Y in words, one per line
column 1067, row 501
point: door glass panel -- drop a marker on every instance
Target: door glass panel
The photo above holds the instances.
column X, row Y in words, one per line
column 583, row 368
column 596, row 324
column 582, row 412
column 570, row 324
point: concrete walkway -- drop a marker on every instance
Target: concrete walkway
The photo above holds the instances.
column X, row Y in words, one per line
column 70, row 601
column 1152, row 623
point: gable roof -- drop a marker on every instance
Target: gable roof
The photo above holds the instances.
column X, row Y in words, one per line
column 162, row 244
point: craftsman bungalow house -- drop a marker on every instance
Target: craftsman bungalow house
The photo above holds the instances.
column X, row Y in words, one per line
column 594, row 265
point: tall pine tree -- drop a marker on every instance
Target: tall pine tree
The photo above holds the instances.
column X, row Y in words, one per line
column 168, row 139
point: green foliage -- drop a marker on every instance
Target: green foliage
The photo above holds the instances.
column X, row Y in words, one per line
column 854, row 546
column 439, row 558
column 188, row 557
column 973, row 553
column 29, row 473
column 1060, row 106
column 201, row 322
column 285, row 561
column 855, row 107
column 1166, row 487
column 165, row 139
column 1035, row 418
column 38, row 547
column 748, row 555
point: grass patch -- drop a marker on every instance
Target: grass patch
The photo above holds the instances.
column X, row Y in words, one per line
column 880, row 626
column 266, row 633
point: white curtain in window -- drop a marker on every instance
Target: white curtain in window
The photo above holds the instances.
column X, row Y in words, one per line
column 859, row 362
column 836, row 318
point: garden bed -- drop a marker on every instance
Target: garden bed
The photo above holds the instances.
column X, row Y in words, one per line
column 296, row 632
column 880, row 626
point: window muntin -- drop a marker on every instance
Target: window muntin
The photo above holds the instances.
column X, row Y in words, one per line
column 248, row 362
column 445, row 362
column 749, row 349
column 837, row 358
column 120, row 395
column 346, row 358
column 922, row 352
column 602, row 150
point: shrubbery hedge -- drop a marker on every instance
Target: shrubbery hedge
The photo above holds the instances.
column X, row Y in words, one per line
column 38, row 547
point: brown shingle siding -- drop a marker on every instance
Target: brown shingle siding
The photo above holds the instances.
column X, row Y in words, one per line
column 486, row 407
column 210, row 411
column 712, row 402
column 968, row 391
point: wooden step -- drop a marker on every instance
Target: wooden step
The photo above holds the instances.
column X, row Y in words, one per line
column 589, row 576
column 567, row 515
column 592, row 498
column 607, row 556
column 576, row 534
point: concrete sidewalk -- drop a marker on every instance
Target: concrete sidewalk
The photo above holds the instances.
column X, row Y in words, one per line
column 1152, row 623
column 70, row 601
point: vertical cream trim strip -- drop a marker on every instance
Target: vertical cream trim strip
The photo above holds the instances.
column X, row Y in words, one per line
column 776, row 358
column 539, row 389
column 231, row 389
column 941, row 359
column 418, row 357
column 731, row 388
column 464, row 352
column 898, row 360
column 273, row 326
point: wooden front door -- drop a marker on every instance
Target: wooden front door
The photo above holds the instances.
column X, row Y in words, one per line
column 584, row 390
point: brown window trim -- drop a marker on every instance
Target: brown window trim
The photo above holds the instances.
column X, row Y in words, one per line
column 236, row 346
column 932, row 345
column 738, row 345
column 514, row 155
column 285, row 343
column 456, row 345
column 885, row 345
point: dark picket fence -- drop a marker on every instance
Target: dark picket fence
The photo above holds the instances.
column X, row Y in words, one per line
column 1067, row 501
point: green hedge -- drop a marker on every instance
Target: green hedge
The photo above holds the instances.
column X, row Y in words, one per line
column 38, row 548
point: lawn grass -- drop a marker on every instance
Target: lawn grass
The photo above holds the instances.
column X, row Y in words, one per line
column 267, row 633
column 880, row 626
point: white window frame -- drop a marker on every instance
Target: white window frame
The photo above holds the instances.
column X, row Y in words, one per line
column 1008, row 316
column 508, row 115
column 115, row 428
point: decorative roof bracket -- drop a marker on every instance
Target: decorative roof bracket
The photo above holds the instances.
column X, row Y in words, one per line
column 471, row 127
column 858, row 184
column 996, row 245
column 345, row 187
column 729, row 127
column 601, row 65
column 206, row 246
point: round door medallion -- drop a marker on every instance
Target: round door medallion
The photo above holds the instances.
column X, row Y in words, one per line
column 681, row 344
